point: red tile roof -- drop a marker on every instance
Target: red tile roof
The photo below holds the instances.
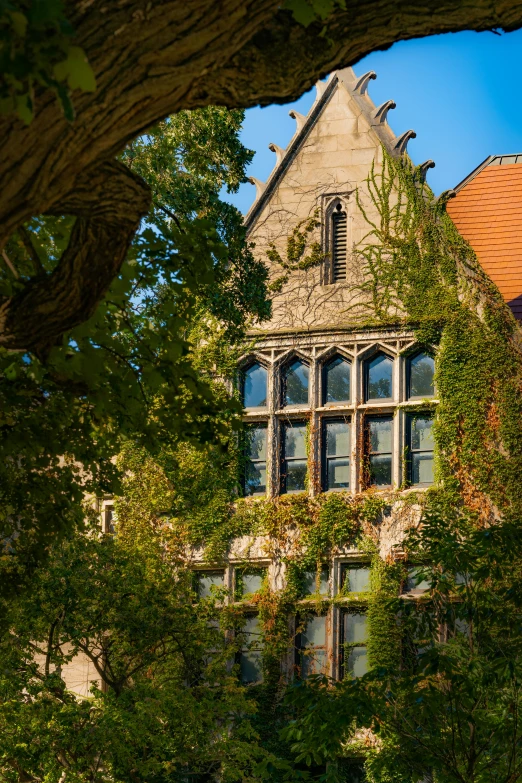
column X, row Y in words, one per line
column 487, row 211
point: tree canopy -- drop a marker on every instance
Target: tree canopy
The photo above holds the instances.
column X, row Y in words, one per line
column 129, row 371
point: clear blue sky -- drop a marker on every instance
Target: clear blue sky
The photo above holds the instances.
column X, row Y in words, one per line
column 461, row 93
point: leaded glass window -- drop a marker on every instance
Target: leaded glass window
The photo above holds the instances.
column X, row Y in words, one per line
column 421, row 445
column 354, row 635
column 255, row 465
column 311, row 646
column 379, row 378
column 294, row 464
column 336, row 451
column 295, row 382
column 379, row 445
column 250, row 656
column 336, row 381
column 254, row 387
column 421, row 370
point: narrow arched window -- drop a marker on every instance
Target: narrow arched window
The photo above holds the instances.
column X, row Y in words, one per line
column 379, row 374
column 254, row 387
column 339, row 242
column 336, row 381
column 295, row 383
column 421, row 369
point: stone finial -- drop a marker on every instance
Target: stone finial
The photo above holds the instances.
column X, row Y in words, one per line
column 423, row 169
column 279, row 151
column 445, row 196
column 362, row 84
column 299, row 118
column 260, row 186
column 320, row 87
column 401, row 142
column 381, row 112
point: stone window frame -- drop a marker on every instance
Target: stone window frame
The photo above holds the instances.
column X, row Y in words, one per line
column 356, row 409
column 328, row 204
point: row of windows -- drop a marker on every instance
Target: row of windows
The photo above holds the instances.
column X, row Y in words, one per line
column 336, row 454
column 311, row 629
column 336, row 381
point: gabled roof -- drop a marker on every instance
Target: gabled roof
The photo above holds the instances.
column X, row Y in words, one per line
column 375, row 117
column 487, row 211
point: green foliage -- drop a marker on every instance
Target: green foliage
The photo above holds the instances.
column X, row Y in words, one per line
column 301, row 252
column 163, row 707
column 307, row 11
column 145, row 367
column 37, row 50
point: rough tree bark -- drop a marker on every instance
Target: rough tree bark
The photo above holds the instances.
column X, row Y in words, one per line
column 152, row 59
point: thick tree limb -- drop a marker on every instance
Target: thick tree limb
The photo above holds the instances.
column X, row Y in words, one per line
column 153, row 59
column 109, row 202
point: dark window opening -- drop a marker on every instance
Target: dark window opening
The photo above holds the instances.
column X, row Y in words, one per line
column 379, row 450
column 421, row 369
column 336, row 454
column 295, row 384
column 354, row 635
column 255, row 460
column 294, row 463
column 336, row 381
column 254, row 387
column 339, row 244
column 420, row 445
column 379, row 382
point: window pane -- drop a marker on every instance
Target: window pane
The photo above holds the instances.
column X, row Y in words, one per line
column 313, row 662
column 381, row 471
column 256, row 442
column 338, row 474
column 314, row 632
column 251, row 667
column 422, row 468
column 209, row 579
column 379, row 378
column 337, row 438
column 422, row 369
column 296, row 384
column 251, row 582
column 357, row 580
column 254, row 388
column 380, row 434
column 296, row 475
column 295, row 440
column 252, row 631
column 310, row 582
column 357, row 663
column 421, row 433
column 355, row 628
column 255, row 480
column 412, row 583
column 337, row 381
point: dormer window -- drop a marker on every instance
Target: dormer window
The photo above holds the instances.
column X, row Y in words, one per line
column 339, row 244
column 254, row 387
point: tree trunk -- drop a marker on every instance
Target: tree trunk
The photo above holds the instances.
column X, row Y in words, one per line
column 152, row 59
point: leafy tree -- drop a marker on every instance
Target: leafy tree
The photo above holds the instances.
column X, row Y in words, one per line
column 130, row 371
column 452, row 709
column 165, row 705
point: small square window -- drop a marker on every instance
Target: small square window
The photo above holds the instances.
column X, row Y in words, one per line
column 249, row 581
column 355, row 578
column 208, row 583
column 317, row 582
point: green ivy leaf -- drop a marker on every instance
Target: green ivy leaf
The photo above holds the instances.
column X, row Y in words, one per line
column 76, row 70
